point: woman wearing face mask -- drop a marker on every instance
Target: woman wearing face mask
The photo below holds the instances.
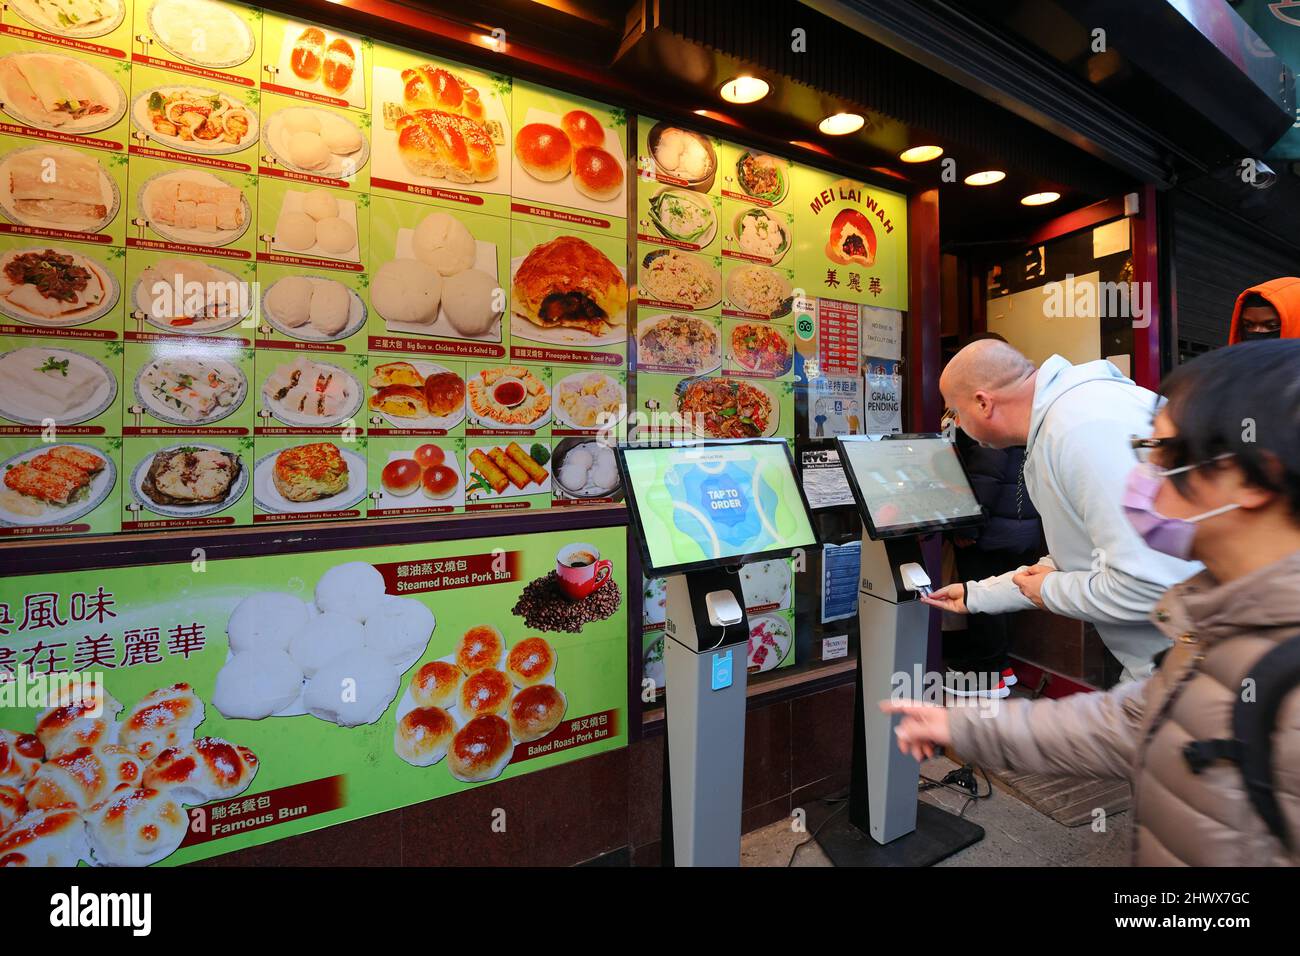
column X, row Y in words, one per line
column 1218, row 480
column 1270, row 310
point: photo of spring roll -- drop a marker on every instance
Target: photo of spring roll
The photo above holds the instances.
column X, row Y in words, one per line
column 521, row 458
column 518, row 477
column 485, row 467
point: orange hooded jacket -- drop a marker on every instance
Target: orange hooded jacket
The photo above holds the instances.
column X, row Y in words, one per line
column 1284, row 295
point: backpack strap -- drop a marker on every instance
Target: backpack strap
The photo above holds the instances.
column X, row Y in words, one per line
column 1274, row 675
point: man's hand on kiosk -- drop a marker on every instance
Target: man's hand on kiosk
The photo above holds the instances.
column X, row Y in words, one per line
column 1030, row 581
column 952, row 598
column 923, row 727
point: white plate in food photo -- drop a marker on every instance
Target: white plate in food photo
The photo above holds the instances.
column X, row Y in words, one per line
column 678, row 343
column 759, row 290
column 190, row 297
column 585, row 468
column 83, row 20
column 682, row 155
column 727, row 408
column 509, row 396
column 763, row 177
column 317, row 223
column 316, row 60
column 183, row 387
column 508, row 469
column 54, row 287
column 52, row 91
column 422, row 477
column 415, row 394
column 316, row 476
column 569, row 160
column 306, row 393
column 54, row 484
column 683, row 215
column 682, row 279
column 766, row 584
column 196, row 207
column 589, row 400
column 567, row 292
column 317, row 142
column 202, row 32
column 189, row 480
column 312, row 309
column 195, row 119
column 80, row 197
column 770, row 641
column 758, row 232
column 39, row 384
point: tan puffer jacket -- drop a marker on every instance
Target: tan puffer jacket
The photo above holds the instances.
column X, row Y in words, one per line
column 1138, row 730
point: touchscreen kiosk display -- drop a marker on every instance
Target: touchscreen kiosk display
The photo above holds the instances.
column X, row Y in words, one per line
column 701, row 504
column 909, row 483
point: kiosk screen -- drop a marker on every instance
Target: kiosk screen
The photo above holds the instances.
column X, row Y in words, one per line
column 704, row 504
column 906, row 484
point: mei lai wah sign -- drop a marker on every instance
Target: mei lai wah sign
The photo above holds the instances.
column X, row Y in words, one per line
column 850, row 240
column 232, row 703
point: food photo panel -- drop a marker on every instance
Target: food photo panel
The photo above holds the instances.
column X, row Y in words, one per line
column 438, row 280
column 511, row 400
column 715, row 406
column 420, row 107
column 203, row 39
column 506, row 474
column 185, row 120
column 415, row 396
column 412, row 476
column 315, row 63
column 68, row 486
column 674, row 279
column 758, row 349
column 588, row 402
column 310, row 394
column 753, row 233
column 755, row 291
column 189, row 298
column 186, row 482
column 308, row 479
column 676, row 342
column 186, row 209
column 63, row 95
column 753, row 176
column 584, row 471
column 102, row 27
column 315, row 227
column 672, row 155
column 314, row 144
column 568, row 296
column 316, row 310
column 569, row 160
column 63, row 387
column 184, row 388
column 60, row 290
column 679, row 218
column 52, row 191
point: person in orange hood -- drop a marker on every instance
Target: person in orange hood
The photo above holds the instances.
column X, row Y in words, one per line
column 1270, row 310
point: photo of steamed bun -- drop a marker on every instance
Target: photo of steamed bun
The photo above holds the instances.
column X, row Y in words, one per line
column 289, row 657
column 315, row 141
column 317, row 223
column 312, row 308
column 442, row 282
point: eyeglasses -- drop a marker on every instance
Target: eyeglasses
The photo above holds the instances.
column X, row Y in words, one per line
column 1148, row 450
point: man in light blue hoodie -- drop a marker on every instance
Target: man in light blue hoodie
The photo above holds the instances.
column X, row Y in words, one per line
column 1075, row 422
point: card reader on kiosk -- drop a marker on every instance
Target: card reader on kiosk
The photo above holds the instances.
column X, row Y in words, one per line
column 700, row 511
column 905, row 487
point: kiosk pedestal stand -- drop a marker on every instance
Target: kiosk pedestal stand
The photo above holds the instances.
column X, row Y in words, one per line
column 886, row 825
column 704, row 755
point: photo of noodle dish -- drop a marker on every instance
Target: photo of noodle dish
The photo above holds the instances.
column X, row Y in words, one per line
column 195, row 119
column 760, row 291
column 678, row 343
column 682, row 279
column 727, row 408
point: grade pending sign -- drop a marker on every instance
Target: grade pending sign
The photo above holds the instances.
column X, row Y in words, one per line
column 320, row 688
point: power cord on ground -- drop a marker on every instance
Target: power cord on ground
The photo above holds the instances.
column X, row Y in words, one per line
column 963, row 781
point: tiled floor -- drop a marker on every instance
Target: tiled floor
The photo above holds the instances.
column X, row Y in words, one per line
column 1015, row 835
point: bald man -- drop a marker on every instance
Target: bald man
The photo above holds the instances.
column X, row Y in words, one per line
column 1075, row 423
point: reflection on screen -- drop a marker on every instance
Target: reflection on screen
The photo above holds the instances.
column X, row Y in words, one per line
column 716, row 502
column 911, row 481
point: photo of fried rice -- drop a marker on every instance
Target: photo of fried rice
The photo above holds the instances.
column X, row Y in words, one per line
column 686, row 280
column 677, row 343
column 759, row 290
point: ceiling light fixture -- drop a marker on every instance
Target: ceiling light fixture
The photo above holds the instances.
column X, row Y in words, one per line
column 985, row 178
column 921, row 154
column 1040, row 199
column 744, row 89
column 841, row 124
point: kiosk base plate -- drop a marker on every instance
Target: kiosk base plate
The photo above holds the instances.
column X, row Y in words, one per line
column 938, row 835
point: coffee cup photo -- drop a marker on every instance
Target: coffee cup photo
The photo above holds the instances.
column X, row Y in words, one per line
column 581, row 569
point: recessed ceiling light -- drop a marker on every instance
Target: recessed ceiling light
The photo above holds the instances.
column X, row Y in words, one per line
column 985, row 178
column 841, row 124
column 1040, row 199
column 744, row 89
column 921, row 154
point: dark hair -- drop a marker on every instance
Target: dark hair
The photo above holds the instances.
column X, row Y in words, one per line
column 1255, row 300
column 1244, row 401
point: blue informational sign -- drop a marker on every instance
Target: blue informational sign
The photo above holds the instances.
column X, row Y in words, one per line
column 840, row 564
column 722, row 671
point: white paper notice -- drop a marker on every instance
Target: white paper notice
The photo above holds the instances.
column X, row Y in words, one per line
column 824, row 482
column 882, row 332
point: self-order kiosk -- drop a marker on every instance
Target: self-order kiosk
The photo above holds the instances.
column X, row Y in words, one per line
column 700, row 512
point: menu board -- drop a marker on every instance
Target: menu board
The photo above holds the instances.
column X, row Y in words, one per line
column 274, row 695
column 247, row 281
